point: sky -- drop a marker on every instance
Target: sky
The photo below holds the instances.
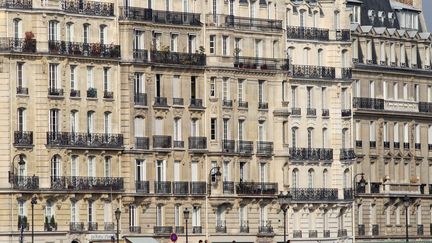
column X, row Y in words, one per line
column 427, row 8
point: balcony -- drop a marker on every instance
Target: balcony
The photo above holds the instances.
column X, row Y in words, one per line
column 346, row 73
column 311, row 154
column 396, row 145
column 361, row 230
column 425, row 106
column 16, row 4
column 92, row 226
column 140, row 55
column 306, row 33
column 227, row 103
column 163, row 230
column 245, row 147
column 347, row 154
column 198, row 187
column 55, row 92
column 140, row 99
column 343, row 35
column 403, row 188
column 401, row 105
column 160, row 102
column 406, row 146
column 22, row 90
column 196, row 229
column 375, row 229
column 342, row 233
column 108, row 226
column 85, row 140
column 348, row 193
column 228, row 146
column 244, row 23
column 51, row 226
column 243, row 104
column 179, row 229
column 160, row 17
column 417, row 146
column 262, row 105
column 372, row 144
column 375, row 187
column 313, row 233
column 161, row 142
column 264, row 148
column 142, row 186
column 75, row 93
column 295, row 111
column 162, row 187
column 314, row 194
column 196, row 104
column 265, row 228
column 368, row 103
column 311, row 112
column 326, row 233
column 24, row 183
column 92, row 93
column 420, row 230
column 178, row 144
column 8, row 44
column 315, row 72
column 256, row 188
column 178, row 101
column 23, row 139
column 228, row 187
column 92, row 8
column 198, row 143
column 181, row 188
column 142, row 143
column 221, row 227
column 135, row 229
column 346, row 112
column 297, row 234
column 83, row 183
column 325, row 113
column 81, row 49
column 76, row 227
column 178, row 58
column 244, row 226
column 260, row 63
column 108, row 94
column 386, row 145
column 359, row 143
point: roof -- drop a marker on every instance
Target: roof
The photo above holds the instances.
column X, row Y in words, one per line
column 377, row 6
column 399, row 6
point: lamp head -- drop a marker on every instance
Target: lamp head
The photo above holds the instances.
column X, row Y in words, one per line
column 284, row 200
column 186, row 214
column 117, row 214
column 217, row 173
column 362, row 182
column 406, row 201
column 21, row 159
column 34, row 200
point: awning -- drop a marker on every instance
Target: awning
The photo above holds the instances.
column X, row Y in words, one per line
column 141, row 240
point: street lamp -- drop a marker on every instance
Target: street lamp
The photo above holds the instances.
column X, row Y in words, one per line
column 215, row 171
column 21, row 162
column 186, row 217
column 117, row 216
column 33, row 202
column 361, row 183
column 284, row 201
column 406, row 202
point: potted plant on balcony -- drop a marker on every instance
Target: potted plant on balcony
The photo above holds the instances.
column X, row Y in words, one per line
column 92, row 93
column 96, row 49
column 29, row 44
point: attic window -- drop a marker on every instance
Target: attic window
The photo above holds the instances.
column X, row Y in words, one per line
column 381, row 16
column 371, row 15
column 391, row 18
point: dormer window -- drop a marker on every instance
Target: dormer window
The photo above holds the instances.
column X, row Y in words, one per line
column 355, row 15
column 391, row 17
column 381, row 16
column 371, row 15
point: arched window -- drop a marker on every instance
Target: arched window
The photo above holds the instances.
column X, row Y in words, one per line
column 17, row 28
column 310, row 137
column 290, row 52
column 294, row 178
column 21, row 121
column 346, row 179
column 294, row 136
column 311, row 178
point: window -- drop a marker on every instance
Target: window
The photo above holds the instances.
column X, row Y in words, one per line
column 371, row 89
column 212, row 44
column 405, row 130
column 241, row 130
column 372, row 131
column 54, row 119
column 398, row 212
column 240, row 90
column 309, row 97
column 193, row 87
column 385, row 92
column 139, row 127
column 395, row 91
column 73, row 82
column 139, row 87
column 103, row 34
column 20, row 79
column 226, row 133
column 196, row 216
column 337, row 20
column 177, row 129
column 107, row 212
column 53, row 31
column 225, row 45
column 107, row 166
column 74, row 118
column 417, row 134
column 358, row 131
column 320, row 57
column 294, row 136
column 55, row 167
column 212, row 86
column 49, row 210
column 107, row 122
column 258, row 48
column 157, row 41
column 159, row 215
column 355, row 16
column 263, row 172
column 284, row 89
column 392, row 54
column 429, row 93
column 306, row 56
column 295, row 178
column 263, row 216
column 311, row 178
column 90, row 81
column 176, row 86
column 405, row 91
column 226, row 89
column 293, row 96
column 302, row 18
column 396, row 132
column 138, row 42
column 106, row 81
column 226, row 171
column 310, row 137
column 133, row 219
column 90, row 122
column 177, row 170
column 17, row 28
column 194, row 127
column 383, row 55
column 191, row 43
column 325, row 138
column 140, row 170
column 261, row 91
column 325, row 178
column 430, row 135
column 402, row 55
column 176, row 215
column 261, row 131
column 74, row 212
column 174, row 42
column 168, row 5
column 385, row 132
column 21, row 119
column 324, row 97
column 86, row 33
column 158, row 85
column 369, row 51
column 243, row 216
column 91, row 166
column 275, row 49
column 91, row 212
column 416, row 92
column 54, row 83
column 238, row 46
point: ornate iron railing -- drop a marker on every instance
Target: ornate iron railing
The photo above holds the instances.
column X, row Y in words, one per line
column 343, row 35
column 84, row 49
column 227, row 103
column 78, row 183
column 314, row 194
column 375, row 229
column 160, row 17
column 140, row 99
column 342, row 233
column 359, row 143
column 308, row 71
column 346, row 73
column 311, row 111
column 346, row 112
column 264, row 148
column 244, row 23
column 108, row 226
column 142, row 186
column 420, row 230
column 22, row 223
column 108, row 94
column 295, row 111
column 76, row 226
column 135, row 229
column 92, row 226
column 25, row 182
column 221, row 227
column 347, row 154
column 375, row 187
column 162, row 142
column 348, row 193
column 92, row 8
column 198, row 187
column 160, row 101
column 361, row 230
column 94, row 140
column 265, row 227
column 142, row 143
column 243, row 104
column 297, row 234
column 244, row 226
column 311, row 154
column 228, row 187
column 313, row 234
column 17, row 4
column 74, row 93
column 256, row 188
column 180, row 187
column 261, row 63
column 180, row 58
column 178, row 101
column 262, row 105
column 179, row 229
column 8, row 44
column 55, row 91
column 140, row 55
column 307, row 33
column 23, row 138
column 368, row 103
column 178, row 144
column 196, row 103
column 22, row 90
column 425, row 107
column 198, row 143
column 326, row 233
column 245, row 147
column 162, row 187
column 228, row 146
column 163, row 230
column 325, row 112
column 196, row 229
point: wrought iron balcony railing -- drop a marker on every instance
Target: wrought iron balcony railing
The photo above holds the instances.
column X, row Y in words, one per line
column 161, row 101
column 178, row 101
column 108, row 94
column 163, row 230
column 50, row 226
column 135, row 229
column 243, row 104
column 108, row 226
column 140, row 99
column 343, row 35
column 227, row 103
column 368, row 103
column 346, row 112
column 311, row 111
column 264, row 148
column 346, row 73
column 361, row 230
column 22, row 223
column 386, row 144
column 179, row 229
column 228, row 187
column 313, row 234
column 75, row 93
column 92, row 93
column 256, row 188
column 180, row 58
column 22, row 90
column 76, row 226
column 196, row 229
column 326, row 233
column 228, row 146
column 297, row 234
column 160, row 17
column 140, row 55
column 142, row 143
column 245, row 147
column 221, row 227
column 244, row 23
column 24, row 183
column 8, row 44
column 314, row 194
column 180, row 187
column 420, row 230
column 325, row 112
column 308, row 71
column 348, row 193
column 178, row 144
column 244, row 226
column 311, row 154
column 296, row 111
column 162, row 142
column 359, row 143
column 375, row 229
column 82, row 183
column 84, row 49
column 425, row 106
column 265, row 228
column 262, row 105
column 162, row 187
column 261, row 63
column 396, row 145
column 198, row 187
column 196, row 103
column 347, row 154
column 307, row 33
column 16, row 4
column 198, row 143
column 375, row 187
column 93, row 8
column 342, row 233
column 55, row 91
column 85, row 140
column 92, row 226
column 23, row 138
column 142, row 186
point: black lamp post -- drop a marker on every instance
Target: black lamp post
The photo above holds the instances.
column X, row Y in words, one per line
column 284, row 201
column 186, row 217
column 361, row 183
column 117, row 216
column 406, row 202
column 33, row 202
